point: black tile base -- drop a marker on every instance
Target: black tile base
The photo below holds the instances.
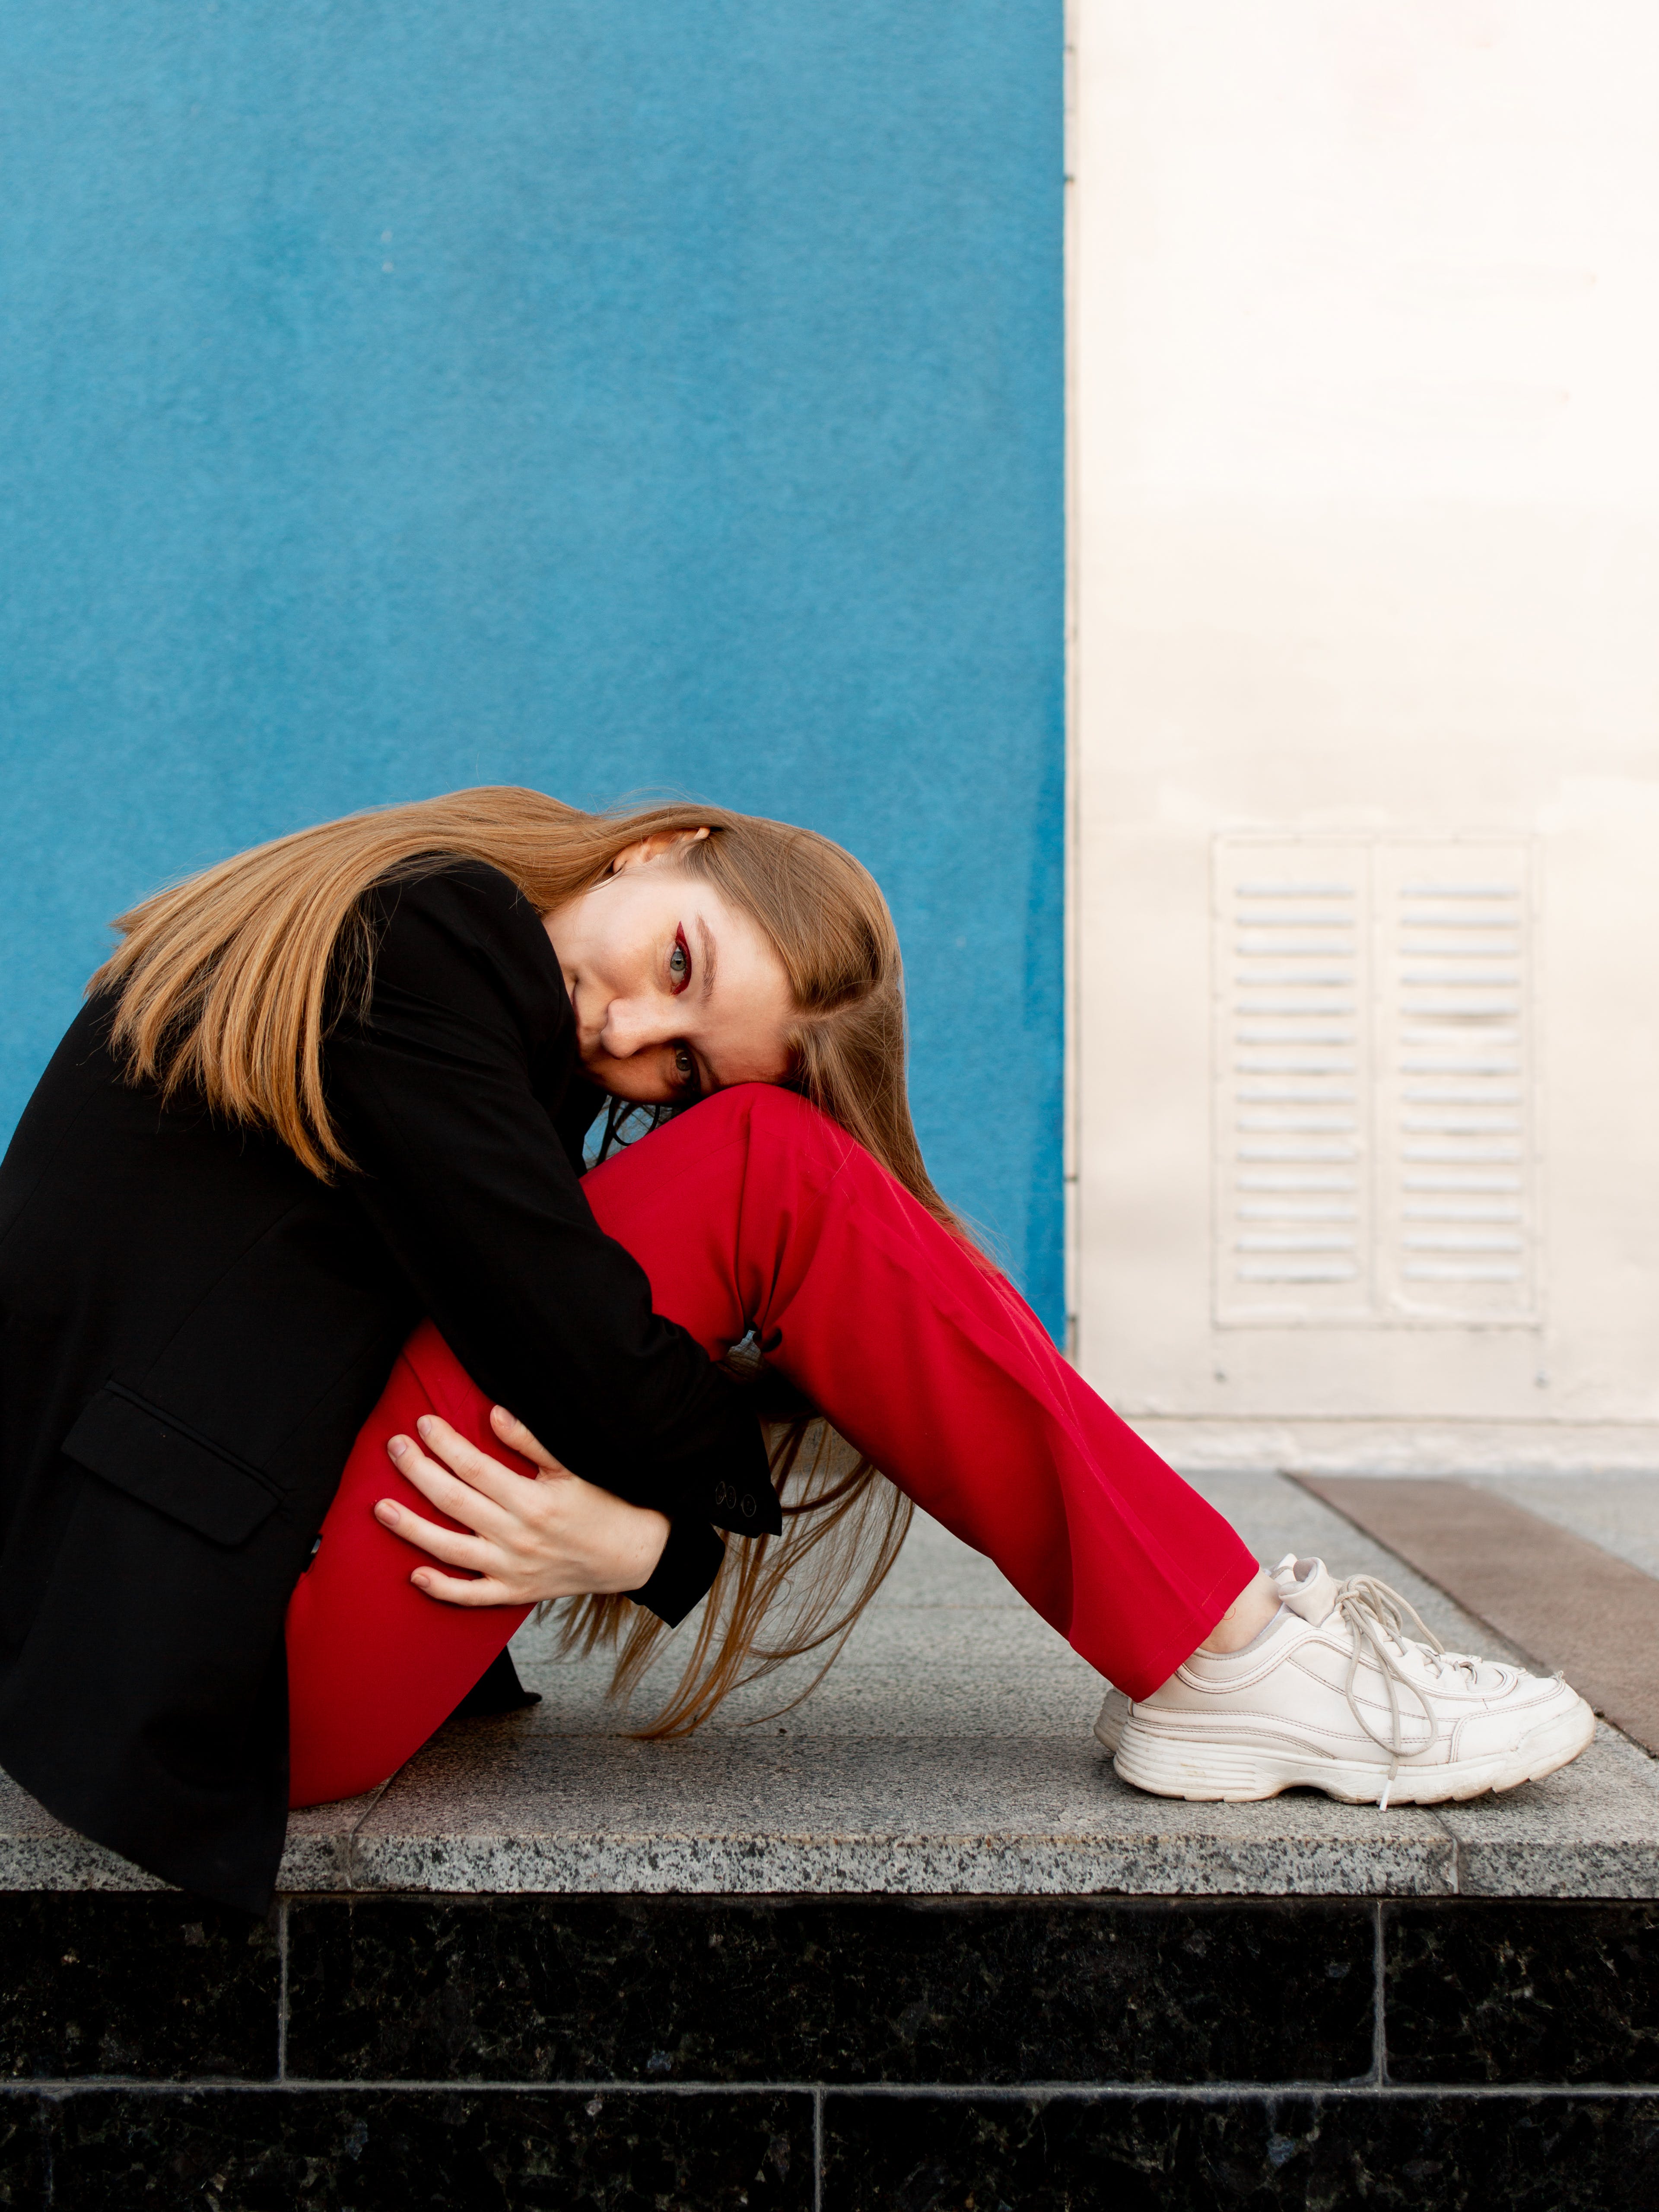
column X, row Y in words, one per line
column 431, row 2151
column 145, row 1987
column 24, row 2159
column 947, row 2055
column 1512, row 1989
column 830, row 1989
column 1190, row 2154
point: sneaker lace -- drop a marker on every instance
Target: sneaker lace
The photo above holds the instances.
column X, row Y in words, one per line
column 1377, row 1616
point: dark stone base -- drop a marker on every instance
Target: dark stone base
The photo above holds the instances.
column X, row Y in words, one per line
column 451, row 2150
column 1152, row 2153
column 945, row 2055
column 321, row 2150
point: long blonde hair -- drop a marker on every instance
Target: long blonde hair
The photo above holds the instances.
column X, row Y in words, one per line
column 223, row 987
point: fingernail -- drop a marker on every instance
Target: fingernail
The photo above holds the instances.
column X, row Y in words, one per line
column 425, row 1425
column 397, row 1447
column 387, row 1512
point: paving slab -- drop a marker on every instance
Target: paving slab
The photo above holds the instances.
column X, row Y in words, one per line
column 1591, row 1830
column 506, row 1805
column 38, row 1852
column 1619, row 1511
column 949, row 1753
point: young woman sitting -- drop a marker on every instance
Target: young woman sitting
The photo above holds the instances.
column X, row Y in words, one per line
column 322, row 1361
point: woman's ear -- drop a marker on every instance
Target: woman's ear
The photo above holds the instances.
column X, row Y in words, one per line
column 653, row 848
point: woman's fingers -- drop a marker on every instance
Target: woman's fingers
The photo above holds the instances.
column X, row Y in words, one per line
column 527, row 1539
column 514, row 1435
column 479, row 1490
column 453, row 1546
column 454, row 1591
column 471, row 1465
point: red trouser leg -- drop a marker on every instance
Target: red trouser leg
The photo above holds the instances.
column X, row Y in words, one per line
column 756, row 1211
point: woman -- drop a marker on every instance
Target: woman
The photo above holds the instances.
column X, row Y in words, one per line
column 335, row 1090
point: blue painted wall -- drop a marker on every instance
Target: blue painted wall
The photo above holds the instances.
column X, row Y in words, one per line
column 597, row 395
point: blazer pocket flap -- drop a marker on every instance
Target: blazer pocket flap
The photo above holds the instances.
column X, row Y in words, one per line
column 146, row 1453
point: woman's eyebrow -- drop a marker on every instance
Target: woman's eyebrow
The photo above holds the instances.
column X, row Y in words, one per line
column 710, row 955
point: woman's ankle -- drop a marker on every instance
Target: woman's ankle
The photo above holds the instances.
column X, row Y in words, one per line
column 1250, row 1612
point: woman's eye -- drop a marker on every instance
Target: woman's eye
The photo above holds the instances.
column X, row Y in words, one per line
column 679, row 962
column 685, row 1068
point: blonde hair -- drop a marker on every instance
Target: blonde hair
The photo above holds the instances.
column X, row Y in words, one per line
column 223, row 986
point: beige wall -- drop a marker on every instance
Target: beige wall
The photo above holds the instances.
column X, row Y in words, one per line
column 1365, row 479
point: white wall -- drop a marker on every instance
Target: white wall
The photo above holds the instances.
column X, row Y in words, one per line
column 1365, row 422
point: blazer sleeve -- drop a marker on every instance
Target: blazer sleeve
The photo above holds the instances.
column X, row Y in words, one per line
column 461, row 1170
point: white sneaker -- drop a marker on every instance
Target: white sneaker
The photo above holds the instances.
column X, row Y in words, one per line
column 1334, row 1695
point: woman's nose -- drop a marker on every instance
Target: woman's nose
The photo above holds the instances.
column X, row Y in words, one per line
column 629, row 1027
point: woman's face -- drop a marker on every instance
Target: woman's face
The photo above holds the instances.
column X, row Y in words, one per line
column 676, row 994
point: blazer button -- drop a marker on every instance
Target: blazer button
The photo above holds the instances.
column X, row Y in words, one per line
column 748, row 1508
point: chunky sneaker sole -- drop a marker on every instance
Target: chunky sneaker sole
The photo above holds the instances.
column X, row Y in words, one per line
column 1207, row 1772
column 1112, row 1720
column 1335, row 1695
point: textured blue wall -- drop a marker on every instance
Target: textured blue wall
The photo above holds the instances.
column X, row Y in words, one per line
column 597, row 396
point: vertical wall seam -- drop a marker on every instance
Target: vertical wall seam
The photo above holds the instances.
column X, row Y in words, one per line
column 46, row 2112
column 1379, row 2013
column 1071, row 982
column 282, row 1989
column 817, row 2150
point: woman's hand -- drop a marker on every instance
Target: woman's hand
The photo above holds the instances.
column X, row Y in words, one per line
column 548, row 1535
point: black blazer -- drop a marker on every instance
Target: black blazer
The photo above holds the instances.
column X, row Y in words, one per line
column 192, row 1329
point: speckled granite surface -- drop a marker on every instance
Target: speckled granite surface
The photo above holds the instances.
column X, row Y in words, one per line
column 912, row 1947
column 949, row 1753
column 906, row 1950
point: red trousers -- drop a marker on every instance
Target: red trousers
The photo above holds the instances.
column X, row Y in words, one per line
column 755, row 1210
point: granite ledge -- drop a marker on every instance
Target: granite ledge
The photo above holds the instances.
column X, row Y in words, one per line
column 476, row 1815
column 500, row 1809
column 948, row 1754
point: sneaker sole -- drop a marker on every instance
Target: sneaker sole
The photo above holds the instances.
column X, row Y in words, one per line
column 1114, row 1718
column 1205, row 1774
